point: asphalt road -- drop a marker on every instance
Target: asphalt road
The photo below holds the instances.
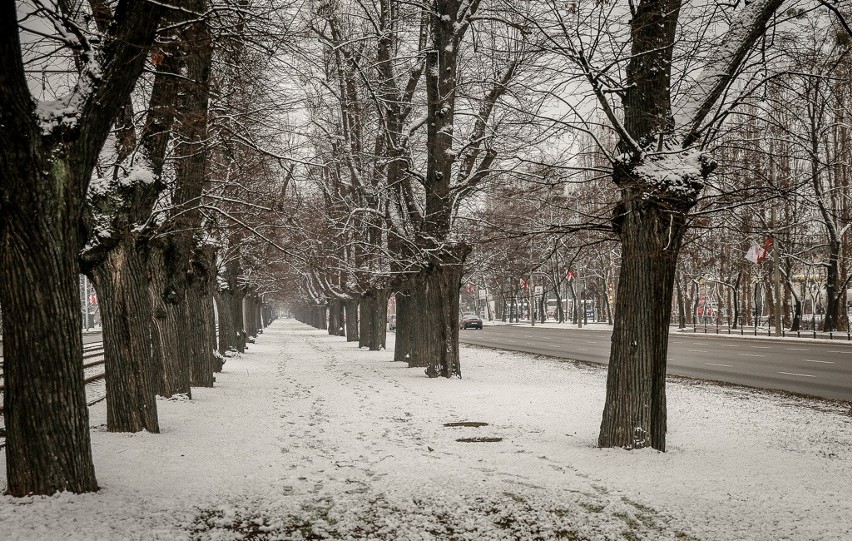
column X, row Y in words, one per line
column 800, row 366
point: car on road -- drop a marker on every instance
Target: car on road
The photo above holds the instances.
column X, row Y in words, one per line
column 470, row 321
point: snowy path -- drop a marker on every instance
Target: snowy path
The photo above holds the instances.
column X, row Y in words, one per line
column 306, row 436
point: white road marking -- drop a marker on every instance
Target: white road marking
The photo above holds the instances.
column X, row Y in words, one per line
column 794, row 374
column 719, row 364
column 582, row 349
column 816, row 361
column 760, row 347
column 839, row 351
column 750, row 355
column 796, row 349
column 698, row 350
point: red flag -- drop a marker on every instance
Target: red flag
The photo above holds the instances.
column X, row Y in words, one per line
column 522, row 283
column 756, row 254
column 470, row 287
column 766, row 247
column 569, row 275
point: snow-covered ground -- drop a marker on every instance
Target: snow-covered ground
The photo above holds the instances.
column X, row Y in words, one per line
column 305, row 436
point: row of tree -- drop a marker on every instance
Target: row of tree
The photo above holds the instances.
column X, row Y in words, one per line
column 596, row 138
column 227, row 152
column 129, row 164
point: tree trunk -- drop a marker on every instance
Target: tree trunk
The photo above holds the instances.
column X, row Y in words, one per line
column 414, row 337
column 319, row 317
column 47, row 422
column 227, row 331
column 122, row 285
column 337, row 318
column 44, row 175
column 441, row 320
column 168, row 333
column 832, row 293
column 239, row 319
column 432, row 318
column 651, row 228
column 352, row 323
column 195, row 308
column 405, row 324
column 681, row 306
column 374, row 310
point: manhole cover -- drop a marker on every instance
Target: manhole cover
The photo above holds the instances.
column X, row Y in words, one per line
column 479, row 440
column 473, row 424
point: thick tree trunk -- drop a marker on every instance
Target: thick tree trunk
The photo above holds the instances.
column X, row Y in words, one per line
column 337, row 318
column 195, row 307
column 258, row 318
column 122, row 284
column 168, row 333
column 352, row 323
column 319, row 317
column 681, row 305
column 651, row 228
column 441, row 318
column 404, row 326
column 248, row 314
column 47, row 422
column 431, row 316
column 832, row 293
column 373, row 310
column 44, row 175
column 236, row 306
column 227, row 331
column 414, row 343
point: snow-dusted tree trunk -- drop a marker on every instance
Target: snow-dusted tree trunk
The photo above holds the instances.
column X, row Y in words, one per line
column 188, row 270
column 47, row 155
column 441, row 279
column 660, row 174
column 115, row 257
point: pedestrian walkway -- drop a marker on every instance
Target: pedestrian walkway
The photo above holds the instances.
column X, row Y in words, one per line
column 308, row 437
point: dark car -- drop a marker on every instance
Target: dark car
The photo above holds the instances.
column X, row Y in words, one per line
column 470, row 321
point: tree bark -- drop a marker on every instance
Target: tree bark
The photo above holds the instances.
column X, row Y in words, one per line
column 195, row 311
column 833, row 308
column 47, row 421
column 441, row 294
column 227, row 331
column 169, row 331
column 122, row 285
column 352, row 323
column 337, row 318
column 651, row 233
column 373, row 310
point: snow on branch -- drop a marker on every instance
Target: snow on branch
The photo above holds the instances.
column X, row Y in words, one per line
column 746, row 28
